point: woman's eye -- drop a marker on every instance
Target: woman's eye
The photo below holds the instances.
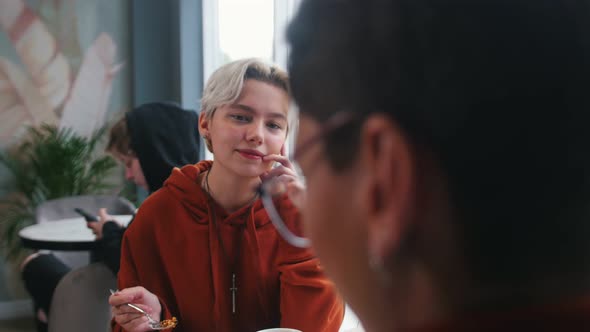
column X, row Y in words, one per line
column 273, row 125
column 240, row 118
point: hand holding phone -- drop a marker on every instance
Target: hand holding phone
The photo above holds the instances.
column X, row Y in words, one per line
column 89, row 217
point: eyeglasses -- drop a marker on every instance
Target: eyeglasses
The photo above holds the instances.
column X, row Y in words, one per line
column 272, row 189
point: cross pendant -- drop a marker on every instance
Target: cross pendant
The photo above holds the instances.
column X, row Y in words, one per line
column 233, row 290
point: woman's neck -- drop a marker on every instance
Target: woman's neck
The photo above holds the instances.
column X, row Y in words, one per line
column 229, row 190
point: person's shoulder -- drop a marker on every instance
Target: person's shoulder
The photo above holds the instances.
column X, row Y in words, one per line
column 153, row 209
column 159, row 197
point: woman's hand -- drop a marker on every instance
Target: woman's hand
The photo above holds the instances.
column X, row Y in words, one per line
column 130, row 319
column 96, row 226
column 286, row 176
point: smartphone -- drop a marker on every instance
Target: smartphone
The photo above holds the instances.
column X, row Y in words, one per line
column 89, row 217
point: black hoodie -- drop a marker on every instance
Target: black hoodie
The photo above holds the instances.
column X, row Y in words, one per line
column 163, row 136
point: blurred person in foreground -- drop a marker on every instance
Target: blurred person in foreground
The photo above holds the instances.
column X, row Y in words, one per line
column 445, row 150
column 203, row 249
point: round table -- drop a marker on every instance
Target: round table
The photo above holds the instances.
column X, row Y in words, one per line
column 65, row 234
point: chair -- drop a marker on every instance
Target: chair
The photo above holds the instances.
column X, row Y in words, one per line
column 62, row 208
column 80, row 300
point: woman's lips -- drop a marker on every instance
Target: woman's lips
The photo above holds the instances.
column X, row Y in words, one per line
column 249, row 154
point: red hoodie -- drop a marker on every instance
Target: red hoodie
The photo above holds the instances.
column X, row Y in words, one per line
column 173, row 250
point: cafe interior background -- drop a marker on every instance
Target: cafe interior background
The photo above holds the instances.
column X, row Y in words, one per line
column 80, row 64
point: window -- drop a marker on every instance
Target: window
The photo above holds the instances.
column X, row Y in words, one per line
column 235, row 29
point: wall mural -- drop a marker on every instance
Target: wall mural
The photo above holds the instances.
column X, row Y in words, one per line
column 63, row 62
column 59, row 63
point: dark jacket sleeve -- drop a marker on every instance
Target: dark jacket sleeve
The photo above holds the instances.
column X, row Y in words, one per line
column 110, row 249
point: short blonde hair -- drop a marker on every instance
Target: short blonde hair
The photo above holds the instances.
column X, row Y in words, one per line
column 226, row 83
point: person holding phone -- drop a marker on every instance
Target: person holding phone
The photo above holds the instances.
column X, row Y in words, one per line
column 203, row 248
column 149, row 141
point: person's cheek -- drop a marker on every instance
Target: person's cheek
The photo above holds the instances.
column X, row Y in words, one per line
column 277, row 145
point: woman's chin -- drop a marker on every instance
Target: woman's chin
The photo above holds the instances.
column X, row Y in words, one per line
column 252, row 171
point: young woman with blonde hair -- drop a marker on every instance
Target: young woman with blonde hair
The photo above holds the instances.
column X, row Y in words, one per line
column 204, row 245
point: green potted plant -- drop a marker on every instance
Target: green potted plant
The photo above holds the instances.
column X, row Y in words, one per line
column 49, row 163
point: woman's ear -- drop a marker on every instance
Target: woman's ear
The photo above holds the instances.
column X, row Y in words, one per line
column 389, row 187
column 203, row 125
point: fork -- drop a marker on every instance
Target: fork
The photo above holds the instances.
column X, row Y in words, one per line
column 154, row 324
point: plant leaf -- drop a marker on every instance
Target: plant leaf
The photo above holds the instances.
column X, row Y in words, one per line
column 49, row 163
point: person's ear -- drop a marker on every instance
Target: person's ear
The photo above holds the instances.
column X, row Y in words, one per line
column 203, row 125
column 388, row 161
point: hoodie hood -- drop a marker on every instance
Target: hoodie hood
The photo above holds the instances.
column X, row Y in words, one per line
column 163, row 136
column 185, row 187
